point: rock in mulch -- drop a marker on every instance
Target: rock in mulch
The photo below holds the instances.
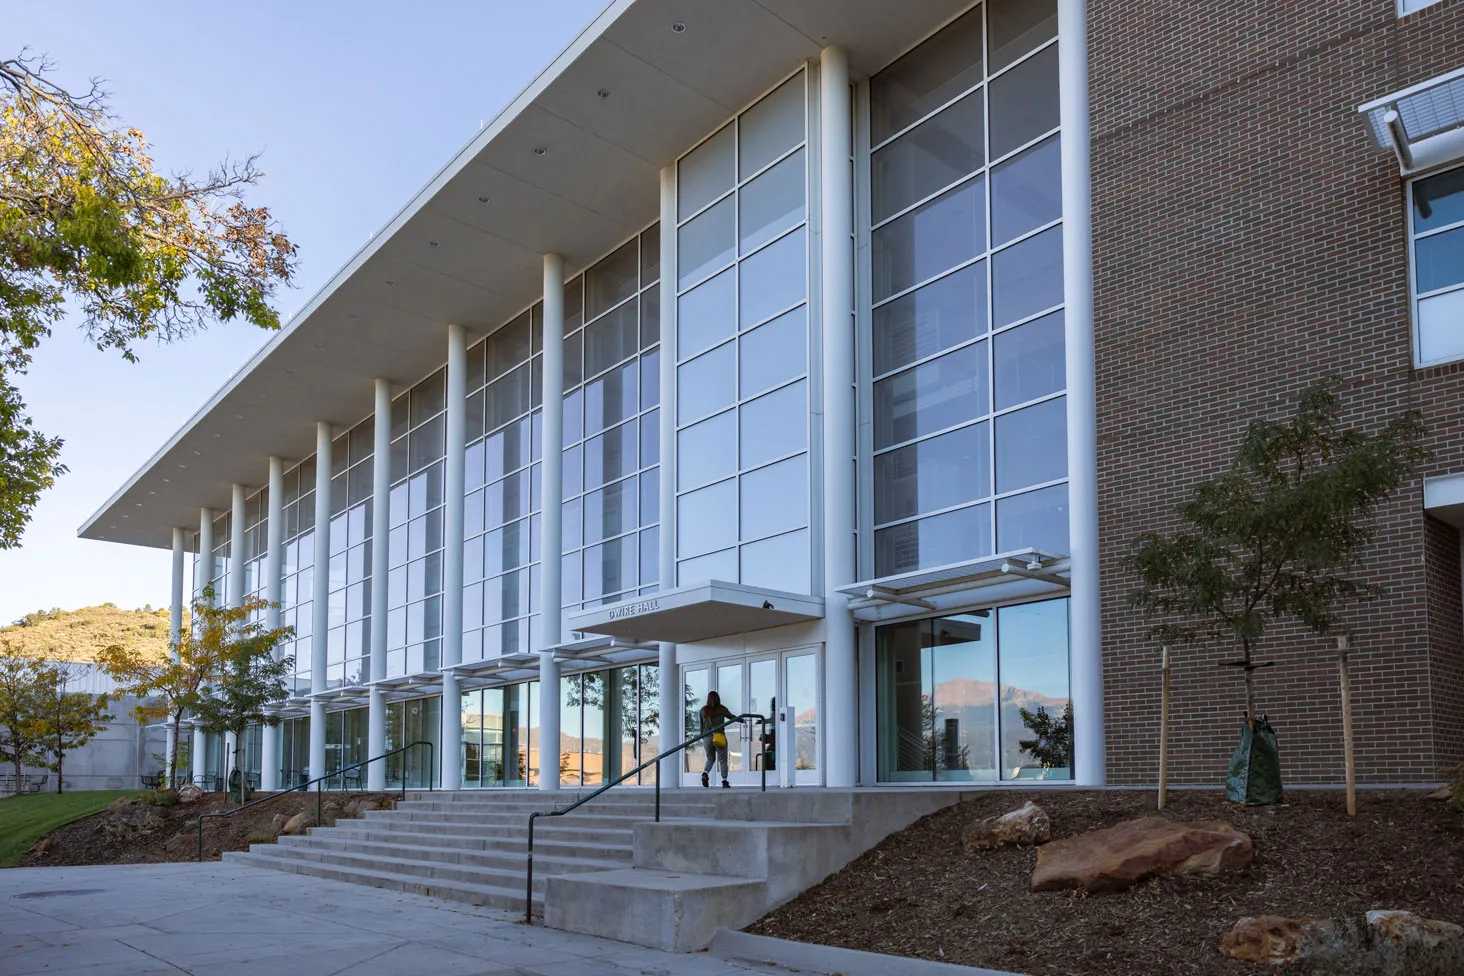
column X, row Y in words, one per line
column 298, row 823
column 190, row 793
column 1442, row 793
column 1403, row 929
column 1118, row 857
column 1028, row 824
column 44, row 845
column 1276, row 939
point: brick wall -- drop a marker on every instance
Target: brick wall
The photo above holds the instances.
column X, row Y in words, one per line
column 1249, row 239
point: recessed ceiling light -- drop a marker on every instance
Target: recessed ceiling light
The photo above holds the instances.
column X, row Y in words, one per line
column 138, row 504
column 539, row 150
column 319, row 348
column 485, row 200
column 182, row 465
column 165, row 480
column 126, row 516
column 433, row 243
column 390, row 282
column 237, row 416
column 350, row 315
column 603, row 93
column 197, row 453
column 678, row 28
column 151, row 492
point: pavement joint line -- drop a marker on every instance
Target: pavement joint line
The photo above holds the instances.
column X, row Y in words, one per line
column 170, row 965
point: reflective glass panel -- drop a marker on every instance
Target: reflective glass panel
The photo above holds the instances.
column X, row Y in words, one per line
column 706, row 243
column 1439, row 260
column 1024, row 102
column 1026, row 191
column 705, row 173
column 951, row 537
column 775, row 498
column 1438, row 201
column 771, row 127
column 774, row 425
column 932, row 474
column 1017, row 26
column 1031, row 445
column 773, row 279
column 944, row 313
column 612, row 280
column 704, row 451
column 1029, row 361
column 934, row 237
column 707, row 314
column 779, row 563
column 932, row 396
column 773, row 353
column 1027, row 277
column 1033, row 665
column 771, row 203
column 934, row 154
column 705, row 384
column 1034, row 519
column 926, row 78
column 707, row 519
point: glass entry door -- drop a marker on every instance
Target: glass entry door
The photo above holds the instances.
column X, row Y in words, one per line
column 759, row 684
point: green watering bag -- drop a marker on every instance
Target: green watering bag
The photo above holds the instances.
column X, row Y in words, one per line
column 1255, row 767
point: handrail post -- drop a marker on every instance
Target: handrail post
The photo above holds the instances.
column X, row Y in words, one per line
column 762, row 738
column 200, row 837
column 318, row 784
column 529, row 874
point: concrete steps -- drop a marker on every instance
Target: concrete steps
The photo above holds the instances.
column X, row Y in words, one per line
column 470, row 846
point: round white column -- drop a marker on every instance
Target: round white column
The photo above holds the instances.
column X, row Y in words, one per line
column 452, row 556
column 175, row 620
column 380, row 553
column 320, row 594
column 671, row 704
column 274, row 529
column 237, row 518
column 551, row 521
column 202, row 576
column 836, row 235
column 1086, row 652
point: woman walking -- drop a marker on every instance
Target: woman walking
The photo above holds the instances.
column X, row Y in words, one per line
column 714, row 713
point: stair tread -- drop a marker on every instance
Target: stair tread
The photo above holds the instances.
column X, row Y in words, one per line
column 590, row 863
column 657, row 879
column 285, row 863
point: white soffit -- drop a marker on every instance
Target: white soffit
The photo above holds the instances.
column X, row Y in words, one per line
column 492, row 211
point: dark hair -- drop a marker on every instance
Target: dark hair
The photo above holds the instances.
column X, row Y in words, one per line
column 713, row 699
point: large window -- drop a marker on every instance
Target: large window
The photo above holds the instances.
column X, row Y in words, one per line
column 348, row 651
column 609, row 724
column 501, row 479
column 297, row 571
column 1437, row 211
column 414, row 580
column 612, row 382
column 498, row 726
column 966, row 364
column 742, row 411
column 975, row 696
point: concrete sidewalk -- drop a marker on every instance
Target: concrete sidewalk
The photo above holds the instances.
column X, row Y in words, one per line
column 217, row 919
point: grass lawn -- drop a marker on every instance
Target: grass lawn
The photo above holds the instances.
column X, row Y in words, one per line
column 27, row 818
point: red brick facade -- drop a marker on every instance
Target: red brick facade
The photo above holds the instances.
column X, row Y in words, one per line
column 1249, row 239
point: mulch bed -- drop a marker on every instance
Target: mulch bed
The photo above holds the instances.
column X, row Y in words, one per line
column 140, row 834
column 917, row 894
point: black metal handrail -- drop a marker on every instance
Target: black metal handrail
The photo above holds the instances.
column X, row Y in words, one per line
column 431, row 752
column 529, row 862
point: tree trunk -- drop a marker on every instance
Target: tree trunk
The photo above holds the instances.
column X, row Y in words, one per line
column 173, row 757
column 1250, row 690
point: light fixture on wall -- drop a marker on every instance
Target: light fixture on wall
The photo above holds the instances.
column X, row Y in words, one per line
column 678, row 28
column 485, row 200
column 603, row 93
column 540, row 150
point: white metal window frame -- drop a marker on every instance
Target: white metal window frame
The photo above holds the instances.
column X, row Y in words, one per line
column 813, row 341
column 1406, row 7
column 1414, row 297
column 865, row 305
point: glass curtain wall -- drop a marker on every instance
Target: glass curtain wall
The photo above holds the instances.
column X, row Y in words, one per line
column 413, row 720
column 966, row 365
column 982, row 695
column 348, row 651
column 500, row 513
column 612, row 442
column 742, row 410
column 345, row 744
column 297, row 569
column 414, row 581
column 256, row 546
column 609, row 725
column 1437, row 225
column 294, row 751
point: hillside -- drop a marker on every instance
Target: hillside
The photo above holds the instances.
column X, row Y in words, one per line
column 77, row 635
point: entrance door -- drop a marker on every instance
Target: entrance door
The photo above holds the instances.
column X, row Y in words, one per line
column 759, row 685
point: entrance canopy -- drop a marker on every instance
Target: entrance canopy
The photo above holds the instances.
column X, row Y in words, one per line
column 698, row 612
column 1423, row 124
column 994, row 579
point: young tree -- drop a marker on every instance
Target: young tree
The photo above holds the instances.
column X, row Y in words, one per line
column 23, row 681
column 88, row 226
column 167, row 690
column 1052, row 736
column 247, row 676
column 72, row 718
column 1280, row 535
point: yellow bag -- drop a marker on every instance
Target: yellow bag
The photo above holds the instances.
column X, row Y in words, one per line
column 719, row 740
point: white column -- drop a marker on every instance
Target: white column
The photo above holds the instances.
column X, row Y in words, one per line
column 202, row 577
column 175, row 619
column 551, row 520
column 237, row 518
column 1082, row 424
column 672, row 704
column 452, row 556
column 380, row 533
column 320, row 622
column 269, row 745
column 836, row 234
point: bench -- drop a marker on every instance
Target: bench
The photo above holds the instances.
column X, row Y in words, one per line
column 33, row 784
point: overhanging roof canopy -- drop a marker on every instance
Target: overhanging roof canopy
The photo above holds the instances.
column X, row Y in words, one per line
column 1007, row 575
column 698, row 612
column 1422, row 124
column 467, row 248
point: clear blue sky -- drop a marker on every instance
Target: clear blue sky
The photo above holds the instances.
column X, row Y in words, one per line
column 354, row 106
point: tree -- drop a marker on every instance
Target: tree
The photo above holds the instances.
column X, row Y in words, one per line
column 1280, row 535
column 71, row 718
column 169, row 690
column 23, row 682
column 1052, row 737
column 88, row 226
column 246, row 677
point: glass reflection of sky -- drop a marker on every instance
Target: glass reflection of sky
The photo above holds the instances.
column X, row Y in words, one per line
column 1034, row 647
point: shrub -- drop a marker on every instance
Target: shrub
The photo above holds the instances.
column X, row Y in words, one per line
column 159, row 798
column 262, row 835
column 1456, row 786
